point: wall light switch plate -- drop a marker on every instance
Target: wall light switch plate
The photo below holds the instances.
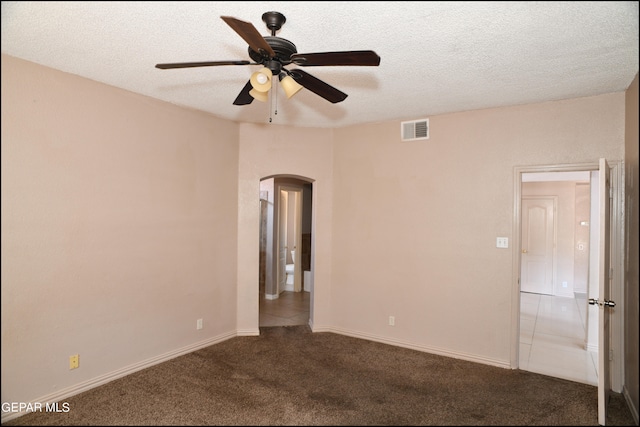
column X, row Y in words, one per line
column 502, row 242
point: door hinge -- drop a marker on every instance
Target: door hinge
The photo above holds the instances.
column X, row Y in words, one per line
column 610, row 354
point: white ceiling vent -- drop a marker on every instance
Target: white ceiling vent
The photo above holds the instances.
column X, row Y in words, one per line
column 415, row 129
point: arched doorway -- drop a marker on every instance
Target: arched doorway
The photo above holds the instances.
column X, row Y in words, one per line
column 285, row 274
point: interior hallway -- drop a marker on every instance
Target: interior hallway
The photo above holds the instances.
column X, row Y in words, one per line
column 291, row 308
column 552, row 338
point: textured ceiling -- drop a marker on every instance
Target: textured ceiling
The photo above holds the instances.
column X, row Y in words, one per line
column 436, row 57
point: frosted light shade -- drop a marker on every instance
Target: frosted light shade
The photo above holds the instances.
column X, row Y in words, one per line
column 260, row 96
column 290, row 86
column 261, row 80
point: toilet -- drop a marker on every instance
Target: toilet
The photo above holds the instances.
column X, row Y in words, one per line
column 289, row 270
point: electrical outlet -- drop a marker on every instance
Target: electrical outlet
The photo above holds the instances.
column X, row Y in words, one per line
column 392, row 321
column 199, row 324
column 74, row 361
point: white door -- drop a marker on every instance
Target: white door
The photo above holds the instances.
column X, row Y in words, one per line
column 538, row 243
column 603, row 302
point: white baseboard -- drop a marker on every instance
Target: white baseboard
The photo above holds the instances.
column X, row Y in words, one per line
column 433, row 350
column 106, row 378
column 632, row 408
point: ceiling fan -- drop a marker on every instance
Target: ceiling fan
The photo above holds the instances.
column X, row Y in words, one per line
column 274, row 53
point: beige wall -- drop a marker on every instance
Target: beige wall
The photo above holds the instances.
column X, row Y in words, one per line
column 124, row 219
column 267, row 150
column 631, row 286
column 415, row 223
column 118, row 230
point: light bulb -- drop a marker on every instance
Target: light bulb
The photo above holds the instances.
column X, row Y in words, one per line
column 261, row 78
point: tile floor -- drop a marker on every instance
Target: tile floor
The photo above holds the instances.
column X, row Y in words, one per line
column 552, row 338
column 290, row 308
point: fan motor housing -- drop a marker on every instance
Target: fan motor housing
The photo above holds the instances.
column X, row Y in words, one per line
column 283, row 49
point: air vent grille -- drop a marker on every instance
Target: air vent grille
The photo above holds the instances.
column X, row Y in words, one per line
column 415, row 129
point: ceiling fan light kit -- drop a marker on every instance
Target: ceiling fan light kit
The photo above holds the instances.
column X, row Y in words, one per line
column 274, row 53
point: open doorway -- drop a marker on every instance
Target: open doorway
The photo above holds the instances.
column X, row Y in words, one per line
column 606, row 273
column 558, row 331
column 609, row 270
column 285, row 277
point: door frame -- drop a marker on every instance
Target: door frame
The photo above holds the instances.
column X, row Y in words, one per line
column 617, row 259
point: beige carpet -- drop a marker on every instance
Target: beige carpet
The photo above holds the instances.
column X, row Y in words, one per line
column 291, row 376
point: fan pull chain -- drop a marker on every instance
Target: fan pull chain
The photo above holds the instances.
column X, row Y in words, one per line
column 273, row 97
column 275, row 94
column 270, row 104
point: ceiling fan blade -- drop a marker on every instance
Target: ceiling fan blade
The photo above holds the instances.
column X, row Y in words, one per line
column 354, row 57
column 200, row 64
column 248, row 32
column 243, row 97
column 317, row 86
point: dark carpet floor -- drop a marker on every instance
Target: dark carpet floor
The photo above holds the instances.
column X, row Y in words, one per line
column 291, row 376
